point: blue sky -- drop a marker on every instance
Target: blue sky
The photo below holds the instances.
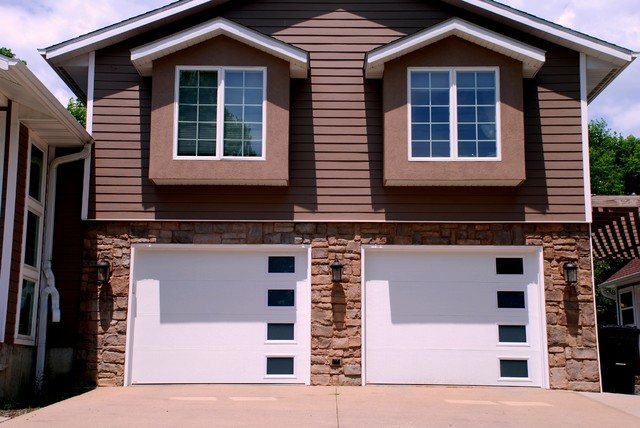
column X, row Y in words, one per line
column 29, row 25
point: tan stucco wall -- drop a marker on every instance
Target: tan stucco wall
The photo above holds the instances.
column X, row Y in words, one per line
column 220, row 51
column 453, row 52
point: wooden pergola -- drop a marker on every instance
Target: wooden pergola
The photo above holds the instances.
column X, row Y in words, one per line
column 616, row 227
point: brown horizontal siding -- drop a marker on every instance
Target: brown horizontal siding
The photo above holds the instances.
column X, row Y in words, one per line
column 336, row 136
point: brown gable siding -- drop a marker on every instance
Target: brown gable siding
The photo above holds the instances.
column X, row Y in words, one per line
column 18, row 230
column 336, row 132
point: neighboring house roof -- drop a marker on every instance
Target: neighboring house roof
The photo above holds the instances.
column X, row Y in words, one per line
column 629, row 273
column 604, row 60
column 39, row 108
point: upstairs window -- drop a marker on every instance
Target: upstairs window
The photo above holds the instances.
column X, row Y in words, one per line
column 453, row 114
column 220, row 113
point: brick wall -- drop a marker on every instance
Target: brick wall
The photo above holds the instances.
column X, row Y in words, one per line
column 336, row 308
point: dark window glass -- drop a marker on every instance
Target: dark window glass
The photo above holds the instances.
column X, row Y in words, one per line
column 511, row 299
column 512, row 334
column 509, row 266
column 35, row 173
column 514, row 368
column 281, row 298
column 31, row 244
column 279, row 331
column 26, row 308
column 627, row 317
column 279, row 365
column 282, row 264
column 626, row 300
column 197, row 107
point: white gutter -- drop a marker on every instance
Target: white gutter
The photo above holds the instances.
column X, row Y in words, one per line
column 48, row 287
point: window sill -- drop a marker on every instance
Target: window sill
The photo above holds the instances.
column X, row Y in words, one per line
column 219, row 182
column 477, row 182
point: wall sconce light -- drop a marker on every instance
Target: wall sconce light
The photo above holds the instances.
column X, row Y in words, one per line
column 336, row 270
column 570, row 270
column 103, row 271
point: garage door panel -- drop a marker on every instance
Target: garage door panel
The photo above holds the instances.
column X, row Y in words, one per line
column 204, row 265
column 438, row 268
column 188, row 297
column 193, row 328
column 434, row 318
column 207, row 366
column 469, row 336
column 421, row 302
column 441, row 367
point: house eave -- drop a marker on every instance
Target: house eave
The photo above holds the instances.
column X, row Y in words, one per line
column 532, row 58
column 143, row 56
column 42, row 111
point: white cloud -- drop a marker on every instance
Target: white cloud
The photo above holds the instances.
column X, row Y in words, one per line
column 567, row 17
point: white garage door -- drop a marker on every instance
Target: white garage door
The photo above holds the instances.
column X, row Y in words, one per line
column 219, row 315
column 454, row 316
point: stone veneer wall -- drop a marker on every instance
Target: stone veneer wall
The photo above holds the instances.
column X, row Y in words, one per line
column 335, row 316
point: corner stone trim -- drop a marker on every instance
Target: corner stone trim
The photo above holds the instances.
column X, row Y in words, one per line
column 336, row 308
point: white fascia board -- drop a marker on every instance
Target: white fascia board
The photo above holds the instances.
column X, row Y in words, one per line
column 5, row 62
column 143, row 56
column 118, row 32
column 558, row 34
column 532, row 58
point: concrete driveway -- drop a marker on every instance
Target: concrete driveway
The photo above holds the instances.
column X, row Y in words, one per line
column 343, row 407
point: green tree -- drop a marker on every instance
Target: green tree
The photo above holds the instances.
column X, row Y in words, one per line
column 615, row 170
column 615, row 161
column 78, row 110
column 7, row 52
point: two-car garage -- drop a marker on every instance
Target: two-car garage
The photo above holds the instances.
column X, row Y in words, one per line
column 430, row 315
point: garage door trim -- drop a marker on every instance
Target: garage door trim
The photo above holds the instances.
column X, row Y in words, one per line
column 279, row 250
column 453, row 249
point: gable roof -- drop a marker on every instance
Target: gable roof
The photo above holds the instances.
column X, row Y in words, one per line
column 628, row 274
column 39, row 108
column 143, row 56
column 604, row 60
column 532, row 58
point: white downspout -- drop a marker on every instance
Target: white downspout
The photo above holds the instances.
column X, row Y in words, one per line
column 48, row 287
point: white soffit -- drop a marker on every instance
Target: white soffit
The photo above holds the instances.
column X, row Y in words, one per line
column 532, row 58
column 39, row 108
column 143, row 56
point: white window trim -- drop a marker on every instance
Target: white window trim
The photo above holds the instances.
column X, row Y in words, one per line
column 220, row 113
column 280, row 376
column 268, row 341
column 27, row 272
column 514, row 379
column 634, row 306
column 500, row 344
column 453, row 116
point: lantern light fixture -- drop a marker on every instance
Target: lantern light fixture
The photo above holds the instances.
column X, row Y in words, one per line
column 570, row 270
column 336, row 270
column 103, row 269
